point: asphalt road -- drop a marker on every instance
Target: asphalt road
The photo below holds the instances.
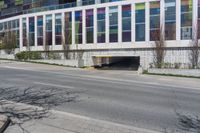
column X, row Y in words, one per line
column 158, row 103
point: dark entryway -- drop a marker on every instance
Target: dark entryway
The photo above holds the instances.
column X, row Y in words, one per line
column 121, row 63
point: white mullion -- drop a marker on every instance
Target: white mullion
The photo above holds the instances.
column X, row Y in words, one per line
column 195, row 17
column 162, row 16
column 107, row 24
column 147, row 21
column 35, row 23
column 95, row 25
column 63, row 39
column 84, row 27
column 120, row 24
column 44, row 30
column 20, row 34
column 73, row 27
column 178, row 20
column 27, row 35
column 53, row 30
column 133, row 22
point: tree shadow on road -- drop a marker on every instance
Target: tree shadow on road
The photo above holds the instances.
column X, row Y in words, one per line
column 25, row 104
column 189, row 123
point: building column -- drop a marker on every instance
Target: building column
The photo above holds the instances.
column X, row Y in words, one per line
column 63, row 28
column 84, row 26
column 107, row 24
column 133, row 22
column 53, row 30
column 20, row 34
column 95, row 25
column 178, row 20
column 73, row 27
column 195, row 17
column 35, row 18
column 120, row 24
column 147, row 21
column 44, row 30
column 27, row 34
column 162, row 16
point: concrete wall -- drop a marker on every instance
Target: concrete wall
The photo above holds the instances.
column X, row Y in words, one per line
column 183, row 72
column 172, row 56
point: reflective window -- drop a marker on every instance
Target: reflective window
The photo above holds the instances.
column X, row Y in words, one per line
column 40, row 30
column 15, row 31
column 154, row 20
column 186, row 19
column 31, row 31
column 113, row 27
column 68, row 28
column 170, row 19
column 78, row 27
column 88, row 2
column 89, row 26
column 58, row 29
column 140, row 21
column 101, row 25
column 126, row 23
column 10, row 30
column 24, row 32
column 48, row 29
column 1, row 27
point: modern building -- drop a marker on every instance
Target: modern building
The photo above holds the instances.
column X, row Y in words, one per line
column 100, row 31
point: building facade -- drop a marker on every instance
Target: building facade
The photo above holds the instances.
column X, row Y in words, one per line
column 107, row 28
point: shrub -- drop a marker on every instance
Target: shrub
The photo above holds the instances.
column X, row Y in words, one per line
column 52, row 55
column 26, row 55
column 177, row 65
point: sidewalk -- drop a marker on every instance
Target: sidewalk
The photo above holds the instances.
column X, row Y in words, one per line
column 62, row 122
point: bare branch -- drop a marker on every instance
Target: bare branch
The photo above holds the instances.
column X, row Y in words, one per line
column 194, row 49
column 25, row 104
column 159, row 50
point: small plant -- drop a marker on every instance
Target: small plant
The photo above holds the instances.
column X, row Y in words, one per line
column 167, row 65
column 177, row 65
column 26, row 55
column 52, row 55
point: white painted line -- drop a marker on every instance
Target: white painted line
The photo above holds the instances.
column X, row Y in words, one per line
column 55, row 85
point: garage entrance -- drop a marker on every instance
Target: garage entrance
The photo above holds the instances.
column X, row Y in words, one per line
column 117, row 62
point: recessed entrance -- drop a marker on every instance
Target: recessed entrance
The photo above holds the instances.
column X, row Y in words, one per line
column 117, row 62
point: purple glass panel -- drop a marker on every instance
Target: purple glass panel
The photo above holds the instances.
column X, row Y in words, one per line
column 40, row 41
column 101, row 11
column 126, row 36
column 89, row 18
